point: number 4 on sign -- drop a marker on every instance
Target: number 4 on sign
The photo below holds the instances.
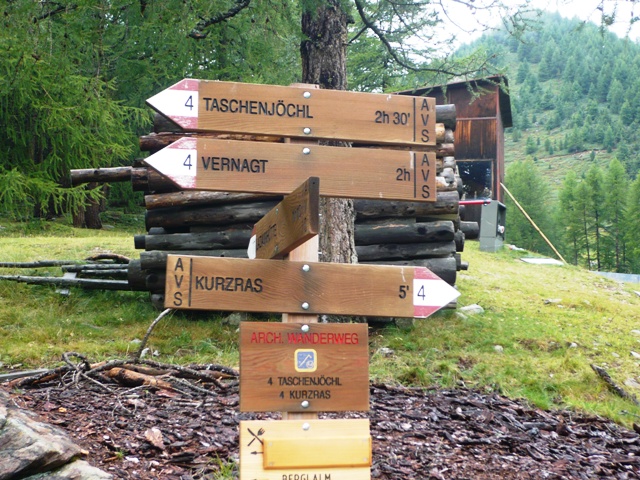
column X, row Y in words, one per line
column 430, row 293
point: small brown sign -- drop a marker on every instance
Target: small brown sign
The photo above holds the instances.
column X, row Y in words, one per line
column 313, row 367
column 289, row 224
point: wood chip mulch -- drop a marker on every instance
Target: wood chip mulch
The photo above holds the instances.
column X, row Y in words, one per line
column 148, row 433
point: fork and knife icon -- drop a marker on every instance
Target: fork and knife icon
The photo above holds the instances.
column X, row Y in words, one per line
column 256, row 436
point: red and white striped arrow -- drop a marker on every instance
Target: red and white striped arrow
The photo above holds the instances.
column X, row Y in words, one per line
column 430, row 293
column 179, row 103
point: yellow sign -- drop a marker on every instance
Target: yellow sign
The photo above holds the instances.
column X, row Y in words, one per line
column 305, row 450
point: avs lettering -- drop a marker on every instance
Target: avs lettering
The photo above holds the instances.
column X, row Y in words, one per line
column 257, row 107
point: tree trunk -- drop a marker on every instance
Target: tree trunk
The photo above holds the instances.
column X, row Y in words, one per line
column 323, row 54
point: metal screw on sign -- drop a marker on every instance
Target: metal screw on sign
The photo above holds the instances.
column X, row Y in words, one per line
column 306, row 268
column 306, row 131
column 304, row 404
column 306, row 150
column 306, row 426
column 305, row 328
column 305, row 306
column 306, row 94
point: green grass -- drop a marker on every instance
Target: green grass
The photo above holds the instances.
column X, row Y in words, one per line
column 551, row 323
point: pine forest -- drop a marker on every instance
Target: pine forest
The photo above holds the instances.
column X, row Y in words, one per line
column 75, row 77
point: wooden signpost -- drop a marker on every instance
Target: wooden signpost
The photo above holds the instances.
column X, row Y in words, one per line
column 300, row 367
column 236, row 284
column 291, row 367
column 279, row 168
column 201, row 105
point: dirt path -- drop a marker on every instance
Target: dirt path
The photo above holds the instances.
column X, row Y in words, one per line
column 433, row 434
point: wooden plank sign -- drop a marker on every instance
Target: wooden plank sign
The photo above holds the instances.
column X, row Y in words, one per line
column 213, row 283
column 315, row 367
column 201, row 105
column 305, row 450
column 279, row 168
column 289, row 224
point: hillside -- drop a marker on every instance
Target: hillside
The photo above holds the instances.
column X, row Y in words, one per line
column 572, row 156
column 574, row 90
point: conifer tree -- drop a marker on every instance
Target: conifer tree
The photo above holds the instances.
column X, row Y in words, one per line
column 616, row 186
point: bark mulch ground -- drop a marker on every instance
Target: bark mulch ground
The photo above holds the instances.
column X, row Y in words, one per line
column 150, row 433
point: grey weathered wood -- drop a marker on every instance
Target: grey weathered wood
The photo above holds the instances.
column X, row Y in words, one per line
column 471, row 229
column 197, row 197
column 445, row 268
column 408, row 251
column 157, row 260
column 99, row 175
column 219, row 215
column 398, row 231
column 227, row 238
column 447, row 204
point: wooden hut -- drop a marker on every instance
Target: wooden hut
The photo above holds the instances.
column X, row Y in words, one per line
column 483, row 109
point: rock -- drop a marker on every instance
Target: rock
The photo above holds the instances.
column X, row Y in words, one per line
column 461, row 316
column 32, row 449
column 78, row 470
column 474, row 309
column 386, row 352
column 552, row 301
column 573, row 345
column 631, row 382
column 635, row 332
column 498, row 348
column 405, row 323
column 635, row 354
column 235, row 319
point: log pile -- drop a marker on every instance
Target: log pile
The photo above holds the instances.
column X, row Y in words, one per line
column 220, row 223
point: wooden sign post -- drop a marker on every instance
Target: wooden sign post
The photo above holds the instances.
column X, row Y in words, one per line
column 301, row 367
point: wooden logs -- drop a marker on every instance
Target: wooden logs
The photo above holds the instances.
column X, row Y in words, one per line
column 446, row 114
column 208, row 215
column 220, row 223
column 222, row 238
column 193, row 198
column 99, row 175
column 471, row 230
column 148, row 180
column 157, row 260
column 404, row 251
column 446, row 268
column 394, row 231
column 446, row 205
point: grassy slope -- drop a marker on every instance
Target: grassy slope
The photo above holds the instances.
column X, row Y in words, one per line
column 537, row 361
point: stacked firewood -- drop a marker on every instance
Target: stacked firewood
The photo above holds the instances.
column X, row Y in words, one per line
column 220, row 223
